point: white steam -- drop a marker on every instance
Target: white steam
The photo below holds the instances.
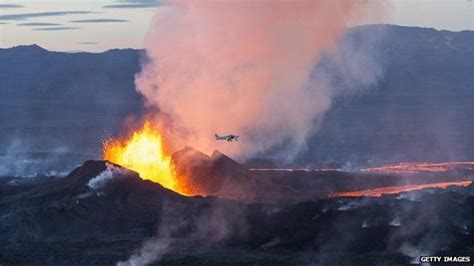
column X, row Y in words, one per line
column 105, row 176
column 246, row 68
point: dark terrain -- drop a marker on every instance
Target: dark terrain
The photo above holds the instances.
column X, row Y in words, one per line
column 219, row 175
column 56, row 108
column 65, row 221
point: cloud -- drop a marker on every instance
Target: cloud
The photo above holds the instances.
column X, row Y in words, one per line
column 133, row 5
column 38, row 24
column 87, row 43
column 100, row 20
column 10, row 6
column 25, row 16
column 57, row 28
column 137, row 1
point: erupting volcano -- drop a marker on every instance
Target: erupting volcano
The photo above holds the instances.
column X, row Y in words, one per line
column 145, row 153
column 356, row 139
column 190, row 172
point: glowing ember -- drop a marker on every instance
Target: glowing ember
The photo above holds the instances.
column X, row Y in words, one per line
column 144, row 153
column 377, row 192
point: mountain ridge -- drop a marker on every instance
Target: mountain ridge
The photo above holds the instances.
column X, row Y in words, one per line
column 367, row 26
column 419, row 110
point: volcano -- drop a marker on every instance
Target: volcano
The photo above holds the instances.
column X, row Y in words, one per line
column 221, row 176
column 102, row 214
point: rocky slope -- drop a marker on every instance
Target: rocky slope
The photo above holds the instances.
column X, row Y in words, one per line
column 101, row 214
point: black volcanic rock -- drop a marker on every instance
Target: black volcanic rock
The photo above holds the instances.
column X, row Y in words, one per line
column 64, row 221
column 222, row 164
column 194, row 169
column 68, row 207
column 208, row 175
column 121, row 181
column 90, row 169
column 219, row 175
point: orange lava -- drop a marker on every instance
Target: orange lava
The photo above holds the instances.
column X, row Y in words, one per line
column 144, row 152
column 411, row 168
column 377, row 192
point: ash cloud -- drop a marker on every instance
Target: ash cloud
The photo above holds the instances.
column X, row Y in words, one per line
column 248, row 68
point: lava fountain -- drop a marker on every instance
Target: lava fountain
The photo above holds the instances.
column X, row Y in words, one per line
column 144, row 152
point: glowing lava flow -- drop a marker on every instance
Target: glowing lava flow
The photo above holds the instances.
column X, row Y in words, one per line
column 420, row 167
column 144, row 153
column 377, row 192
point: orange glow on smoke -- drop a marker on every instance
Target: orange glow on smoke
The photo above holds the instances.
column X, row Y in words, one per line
column 144, row 152
column 377, row 192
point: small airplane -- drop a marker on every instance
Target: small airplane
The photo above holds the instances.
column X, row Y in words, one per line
column 227, row 137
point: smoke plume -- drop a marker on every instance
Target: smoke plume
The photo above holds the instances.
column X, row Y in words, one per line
column 182, row 228
column 244, row 68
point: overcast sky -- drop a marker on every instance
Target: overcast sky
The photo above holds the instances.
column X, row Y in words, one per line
column 88, row 25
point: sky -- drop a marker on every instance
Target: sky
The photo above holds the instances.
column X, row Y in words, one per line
column 95, row 26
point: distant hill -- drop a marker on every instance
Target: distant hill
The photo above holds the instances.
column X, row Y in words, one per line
column 53, row 100
column 421, row 109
